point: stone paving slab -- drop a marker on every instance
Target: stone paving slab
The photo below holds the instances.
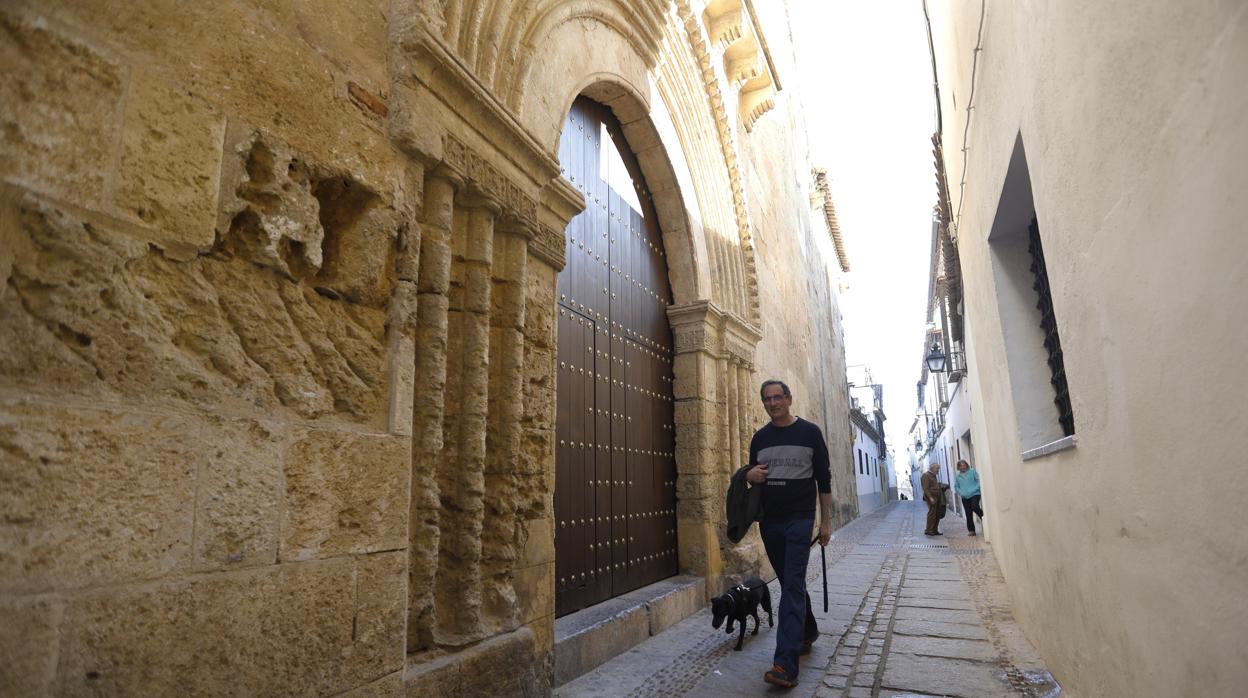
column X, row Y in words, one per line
column 927, row 602
column 938, row 629
column 950, row 648
column 906, row 617
column 948, row 677
column 942, row 615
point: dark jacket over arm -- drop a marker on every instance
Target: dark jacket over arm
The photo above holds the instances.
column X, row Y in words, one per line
column 744, row 505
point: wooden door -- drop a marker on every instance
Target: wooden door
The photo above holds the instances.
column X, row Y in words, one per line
column 615, row 482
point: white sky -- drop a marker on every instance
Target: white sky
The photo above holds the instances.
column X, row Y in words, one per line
column 866, row 81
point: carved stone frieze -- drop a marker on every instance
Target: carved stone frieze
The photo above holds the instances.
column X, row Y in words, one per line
column 484, row 181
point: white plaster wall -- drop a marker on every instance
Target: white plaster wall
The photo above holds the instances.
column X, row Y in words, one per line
column 1132, row 118
column 868, row 482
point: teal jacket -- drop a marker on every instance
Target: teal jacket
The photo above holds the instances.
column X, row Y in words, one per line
column 967, row 483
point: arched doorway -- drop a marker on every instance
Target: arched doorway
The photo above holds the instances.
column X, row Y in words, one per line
column 615, row 482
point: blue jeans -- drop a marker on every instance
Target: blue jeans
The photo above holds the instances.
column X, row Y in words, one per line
column 788, row 549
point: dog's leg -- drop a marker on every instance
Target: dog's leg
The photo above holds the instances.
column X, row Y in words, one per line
column 755, row 614
column 741, row 637
column 767, row 606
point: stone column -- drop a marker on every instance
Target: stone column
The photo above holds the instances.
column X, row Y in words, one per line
column 461, row 465
column 700, row 432
column 431, row 336
column 401, row 321
column 733, row 400
column 506, row 407
column 748, row 397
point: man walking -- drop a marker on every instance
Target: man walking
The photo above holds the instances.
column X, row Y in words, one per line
column 934, row 495
column 790, row 461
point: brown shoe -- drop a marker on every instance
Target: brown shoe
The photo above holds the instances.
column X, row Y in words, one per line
column 779, row 677
column 972, row 534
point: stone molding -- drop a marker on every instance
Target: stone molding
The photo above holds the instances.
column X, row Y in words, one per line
column 734, row 30
column 422, row 61
column 822, row 198
column 703, row 326
column 728, row 148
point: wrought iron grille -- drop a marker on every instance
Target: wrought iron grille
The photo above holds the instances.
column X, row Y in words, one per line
column 1048, row 323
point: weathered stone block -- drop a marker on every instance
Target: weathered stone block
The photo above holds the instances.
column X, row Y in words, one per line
column 685, row 597
column 361, row 231
column 699, row 546
column 94, row 497
column 29, row 635
column 170, row 162
column 581, row 647
column 307, row 220
column 543, row 630
column 61, row 102
column 535, row 591
column 276, row 630
column 539, row 542
column 239, row 494
column 90, row 304
column 402, row 384
column 388, row 686
column 345, row 493
column 378, row 636
column 499, row 666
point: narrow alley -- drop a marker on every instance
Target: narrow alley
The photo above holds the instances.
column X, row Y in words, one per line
column 454, row 348
column 907, row 615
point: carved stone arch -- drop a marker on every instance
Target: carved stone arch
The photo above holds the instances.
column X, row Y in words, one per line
column 714, row 344
column 685, row 253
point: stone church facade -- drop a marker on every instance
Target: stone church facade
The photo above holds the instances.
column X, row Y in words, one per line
column 281, row 327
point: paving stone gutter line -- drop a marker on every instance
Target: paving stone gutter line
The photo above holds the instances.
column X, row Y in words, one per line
column 909, row 616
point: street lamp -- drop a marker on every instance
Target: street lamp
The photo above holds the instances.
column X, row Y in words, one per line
column 935, row 359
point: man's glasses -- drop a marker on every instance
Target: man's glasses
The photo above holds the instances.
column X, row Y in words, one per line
column 773, row 398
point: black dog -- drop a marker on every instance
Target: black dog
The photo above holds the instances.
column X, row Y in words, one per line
column 740, row 602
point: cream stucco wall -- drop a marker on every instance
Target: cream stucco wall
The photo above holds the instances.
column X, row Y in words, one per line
column 1132, row 118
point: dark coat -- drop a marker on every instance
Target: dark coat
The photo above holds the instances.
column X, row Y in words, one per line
column 744, row 505
column 934, row 491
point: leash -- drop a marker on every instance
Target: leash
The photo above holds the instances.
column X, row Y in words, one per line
column 823, row 554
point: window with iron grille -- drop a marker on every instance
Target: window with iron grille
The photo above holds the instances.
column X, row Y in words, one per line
column 1048, row 323
column 1036, row 366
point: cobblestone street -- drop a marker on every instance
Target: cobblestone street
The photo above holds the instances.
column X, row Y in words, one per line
column 907, row 615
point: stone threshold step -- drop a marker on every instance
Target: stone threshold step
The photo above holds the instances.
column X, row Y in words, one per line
column 591, row 636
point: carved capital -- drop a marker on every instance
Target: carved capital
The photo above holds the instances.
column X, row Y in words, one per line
column 697, row 327
column 560, row 203
column 703, row 326
column 547, row 245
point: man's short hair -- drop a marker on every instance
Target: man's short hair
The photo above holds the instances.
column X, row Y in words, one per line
column 783, row 387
